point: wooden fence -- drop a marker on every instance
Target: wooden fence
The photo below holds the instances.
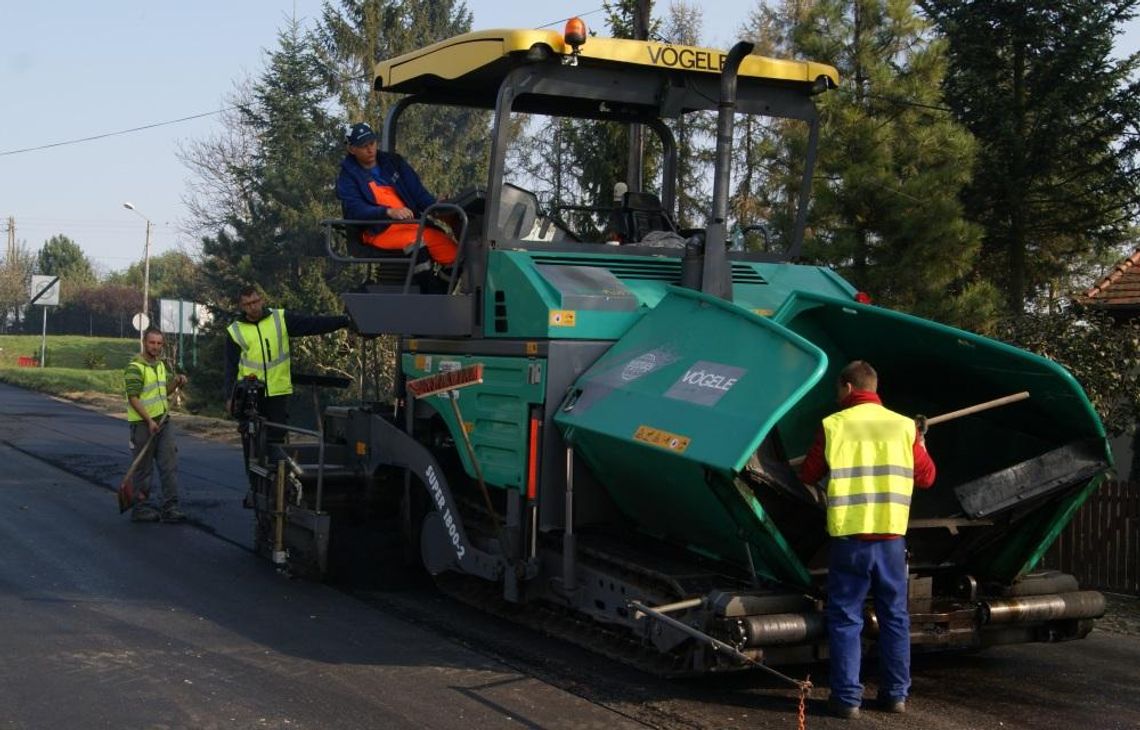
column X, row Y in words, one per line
column 1101, row 546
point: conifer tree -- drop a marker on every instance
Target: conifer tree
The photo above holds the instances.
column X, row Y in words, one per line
column 274, row 239
column 447, row 147
column 695, row 133
column 892, row 161
column 1057, row 118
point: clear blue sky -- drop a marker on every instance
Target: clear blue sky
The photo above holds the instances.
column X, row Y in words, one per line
column 79, row 69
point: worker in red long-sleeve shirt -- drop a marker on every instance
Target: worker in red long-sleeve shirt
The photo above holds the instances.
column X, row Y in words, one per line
column 871, row 458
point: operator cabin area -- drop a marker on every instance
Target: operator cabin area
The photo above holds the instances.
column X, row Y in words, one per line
column 539, row 79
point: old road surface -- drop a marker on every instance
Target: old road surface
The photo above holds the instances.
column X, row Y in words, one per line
column 104, row 623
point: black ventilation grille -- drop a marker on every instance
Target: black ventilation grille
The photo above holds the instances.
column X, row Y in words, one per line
column 500, row 311
column 645, row 269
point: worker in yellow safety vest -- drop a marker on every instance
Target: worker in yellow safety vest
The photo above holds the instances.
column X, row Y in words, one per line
column 147, row 383
column 258, row 348
column 871, row 458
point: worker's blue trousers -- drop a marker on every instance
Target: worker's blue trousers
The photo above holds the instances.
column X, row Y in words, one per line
column 856, row 567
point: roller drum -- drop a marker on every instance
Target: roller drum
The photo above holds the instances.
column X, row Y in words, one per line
column 781, row 629
column 1037, row 609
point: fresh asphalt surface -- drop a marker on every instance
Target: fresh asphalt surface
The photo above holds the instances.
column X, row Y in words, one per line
column 104, row 623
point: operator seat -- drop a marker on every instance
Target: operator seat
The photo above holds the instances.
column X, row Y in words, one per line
column 518, row 211
column 642, row 213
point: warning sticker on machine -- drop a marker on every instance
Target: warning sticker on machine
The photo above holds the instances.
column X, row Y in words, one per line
column 660, row 438
column 562, row 317
column 705, row 383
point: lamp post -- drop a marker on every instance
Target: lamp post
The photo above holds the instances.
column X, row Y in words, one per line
column 146, row 270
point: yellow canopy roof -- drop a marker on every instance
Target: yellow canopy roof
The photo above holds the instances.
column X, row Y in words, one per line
column 481, row 59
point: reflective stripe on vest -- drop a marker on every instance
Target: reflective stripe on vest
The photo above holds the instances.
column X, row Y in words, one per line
column 153, row 395
column 870, row 453
column 264, row 351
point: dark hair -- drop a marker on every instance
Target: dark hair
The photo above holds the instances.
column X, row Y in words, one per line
column 152, row 330
column 249, row 291
column 860, row 375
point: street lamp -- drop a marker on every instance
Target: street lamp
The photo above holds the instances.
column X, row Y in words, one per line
column 146, row 270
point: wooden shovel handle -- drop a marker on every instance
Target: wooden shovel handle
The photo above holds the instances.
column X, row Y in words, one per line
column 976, row 408
column 1004, row 400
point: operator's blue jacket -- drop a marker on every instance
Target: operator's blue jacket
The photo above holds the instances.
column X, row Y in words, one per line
column 356, row 199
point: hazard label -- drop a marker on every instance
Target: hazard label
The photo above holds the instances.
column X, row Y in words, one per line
column 562, row 318
column 662, row 439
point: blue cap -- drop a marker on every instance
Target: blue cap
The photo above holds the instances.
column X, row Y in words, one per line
column 360, row 134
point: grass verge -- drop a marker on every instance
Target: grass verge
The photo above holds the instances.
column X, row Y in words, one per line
column 70, row 351
column 61, row 381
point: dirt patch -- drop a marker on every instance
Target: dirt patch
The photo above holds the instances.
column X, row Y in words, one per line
column 213, row 429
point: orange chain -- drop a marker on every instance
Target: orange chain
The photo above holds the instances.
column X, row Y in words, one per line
column 805, row 687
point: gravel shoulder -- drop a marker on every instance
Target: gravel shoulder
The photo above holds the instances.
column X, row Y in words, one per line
column 212, row 429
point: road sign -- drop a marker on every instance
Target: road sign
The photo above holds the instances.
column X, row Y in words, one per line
column 140, row 321
column 45, row 290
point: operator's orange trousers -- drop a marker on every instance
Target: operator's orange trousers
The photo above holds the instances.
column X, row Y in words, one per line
column 396, row 235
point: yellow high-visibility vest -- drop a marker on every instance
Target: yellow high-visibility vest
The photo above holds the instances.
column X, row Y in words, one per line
column 264, row 351
column 153, row 395
column 870, row 451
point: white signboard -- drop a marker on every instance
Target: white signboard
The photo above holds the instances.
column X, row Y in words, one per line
column 45, row 290
column 181, row 317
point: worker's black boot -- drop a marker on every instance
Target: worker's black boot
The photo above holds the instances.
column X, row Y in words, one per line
column 896, row 705
column 838, row 709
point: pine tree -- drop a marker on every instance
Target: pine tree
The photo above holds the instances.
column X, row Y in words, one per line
column 695, row 133
column 447, row 147
column 892, row 161
column 1057, row 119
column 273, row 238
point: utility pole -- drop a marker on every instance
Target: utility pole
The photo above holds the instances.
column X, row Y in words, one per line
column 146, row 278
column 146, row 273
column 11, row 239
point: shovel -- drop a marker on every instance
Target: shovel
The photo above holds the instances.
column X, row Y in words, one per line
column 126, row 493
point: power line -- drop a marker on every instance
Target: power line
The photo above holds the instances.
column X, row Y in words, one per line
column 563, row 20
column 168, row 122
column 115, row 134
column 896, row 101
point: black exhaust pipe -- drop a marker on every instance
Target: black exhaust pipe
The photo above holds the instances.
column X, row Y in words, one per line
column 716, row 278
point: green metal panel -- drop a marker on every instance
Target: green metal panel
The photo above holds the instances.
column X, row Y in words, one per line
column 497, row 411
column 523, row 303
column 524, row 297
column 672, row 412
column 779, row 282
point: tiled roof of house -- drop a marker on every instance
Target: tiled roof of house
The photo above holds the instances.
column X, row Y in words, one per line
column 1121, row 287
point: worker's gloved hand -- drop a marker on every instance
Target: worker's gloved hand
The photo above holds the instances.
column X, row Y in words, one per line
column 920, row 425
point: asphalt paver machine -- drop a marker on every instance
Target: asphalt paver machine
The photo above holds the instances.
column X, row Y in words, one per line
column 595, row 429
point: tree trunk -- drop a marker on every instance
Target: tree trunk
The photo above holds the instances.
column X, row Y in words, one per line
column 1016, row 245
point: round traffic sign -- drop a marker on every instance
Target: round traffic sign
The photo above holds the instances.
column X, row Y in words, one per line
column 140, row 321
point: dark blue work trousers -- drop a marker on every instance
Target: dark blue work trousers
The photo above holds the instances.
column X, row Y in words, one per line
column 856, row 567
